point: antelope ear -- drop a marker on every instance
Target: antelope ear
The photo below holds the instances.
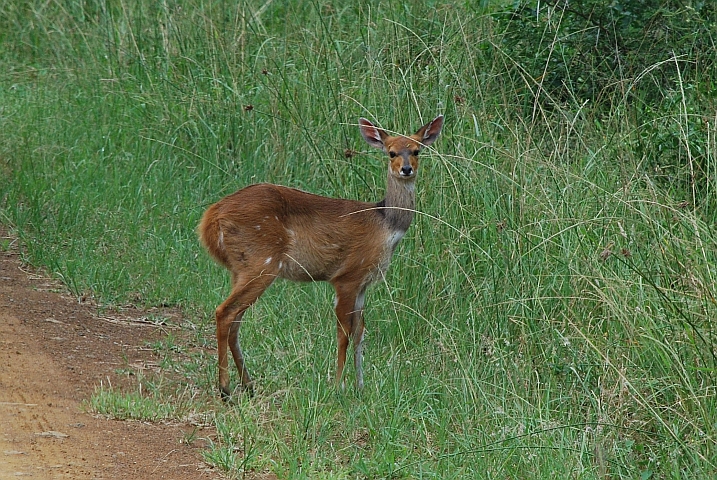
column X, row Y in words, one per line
column 430, row 131
column 373, row 135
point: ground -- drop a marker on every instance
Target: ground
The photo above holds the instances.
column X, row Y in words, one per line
column 54, row 352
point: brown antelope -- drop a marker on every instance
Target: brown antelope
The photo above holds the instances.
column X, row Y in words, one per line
column 264, row 232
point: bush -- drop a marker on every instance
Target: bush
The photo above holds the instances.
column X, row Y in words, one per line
column 606, row 51
column 653, row 60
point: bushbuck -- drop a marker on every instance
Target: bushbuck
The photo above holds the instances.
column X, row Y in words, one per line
column 264, row 232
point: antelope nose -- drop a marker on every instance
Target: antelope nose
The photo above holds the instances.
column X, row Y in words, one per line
column 406, row 170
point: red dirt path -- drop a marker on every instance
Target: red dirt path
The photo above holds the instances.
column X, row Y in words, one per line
column 54, row 352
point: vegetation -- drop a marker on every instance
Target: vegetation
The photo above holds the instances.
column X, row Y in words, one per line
column 550, row 312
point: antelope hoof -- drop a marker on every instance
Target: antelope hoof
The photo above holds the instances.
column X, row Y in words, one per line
column 225, row 394
column 248, row 389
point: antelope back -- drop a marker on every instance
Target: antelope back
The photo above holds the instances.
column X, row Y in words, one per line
column 270, row 229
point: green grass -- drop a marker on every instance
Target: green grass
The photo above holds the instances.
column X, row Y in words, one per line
column 549, row 314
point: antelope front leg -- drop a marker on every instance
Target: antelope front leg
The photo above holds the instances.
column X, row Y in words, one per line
column 342, row 336
column 357, row 334
column 345, row 308
column 358, row 357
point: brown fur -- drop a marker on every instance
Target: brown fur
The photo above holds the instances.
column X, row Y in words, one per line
column 264, row 232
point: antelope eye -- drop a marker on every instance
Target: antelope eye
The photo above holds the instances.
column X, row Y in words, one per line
column 392, row 154
column 416, row 152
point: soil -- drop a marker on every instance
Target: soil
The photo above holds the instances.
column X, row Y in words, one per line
column 54, row 352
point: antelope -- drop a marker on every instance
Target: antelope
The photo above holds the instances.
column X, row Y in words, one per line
column 264, row 232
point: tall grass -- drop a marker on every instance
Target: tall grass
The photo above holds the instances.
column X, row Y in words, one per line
column 548, row 314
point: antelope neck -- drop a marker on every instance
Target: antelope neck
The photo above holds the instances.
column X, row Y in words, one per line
column 400, row 202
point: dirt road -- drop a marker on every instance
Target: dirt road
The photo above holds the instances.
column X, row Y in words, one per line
column 54, row 351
